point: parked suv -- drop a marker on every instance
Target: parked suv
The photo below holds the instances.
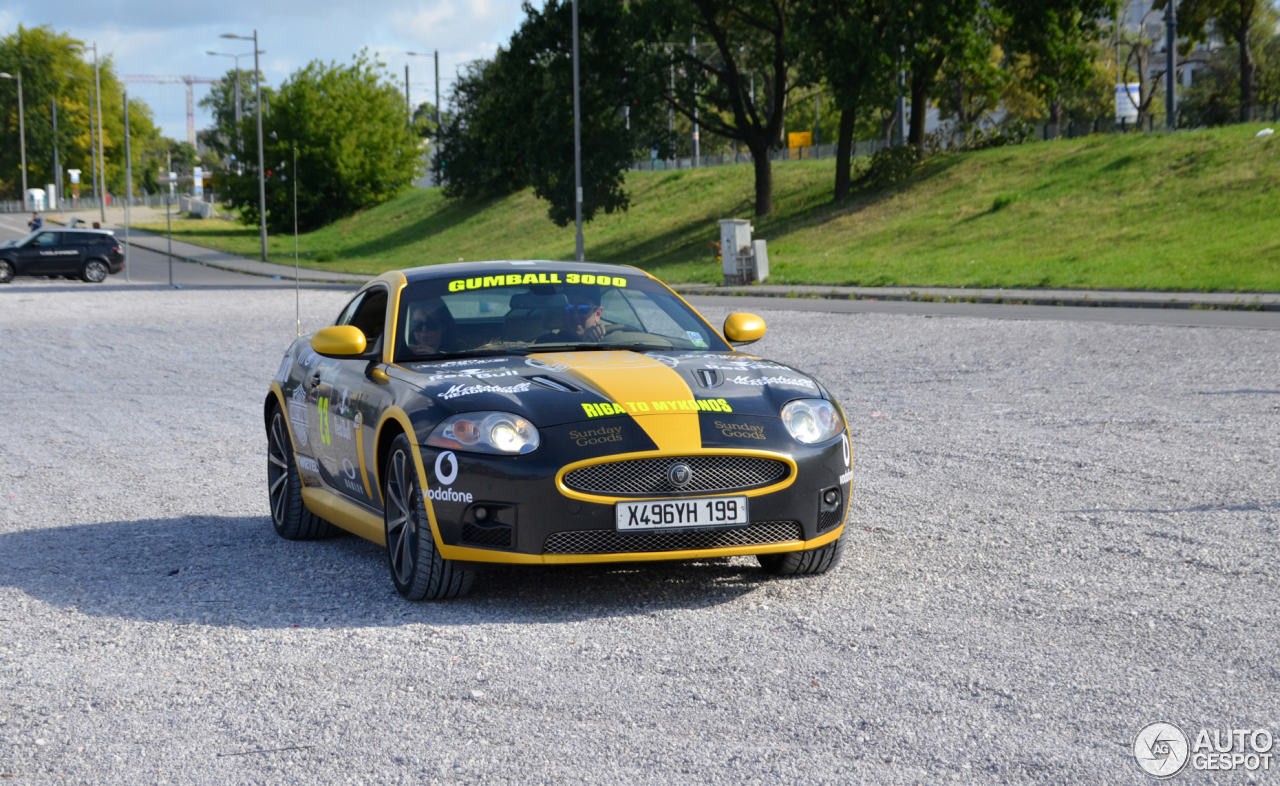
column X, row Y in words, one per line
column 88, row 254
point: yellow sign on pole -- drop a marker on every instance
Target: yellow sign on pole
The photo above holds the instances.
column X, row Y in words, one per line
column 800, row 139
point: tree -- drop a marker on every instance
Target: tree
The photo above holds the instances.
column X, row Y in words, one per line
column 1140, row 60
column 928, row 34
column 45, row 57
column 1235, row 19
column 711, row 82
column 512, row 120
column 1059, row 37
column 354, row 148
column 226, row 138
column 848, row 45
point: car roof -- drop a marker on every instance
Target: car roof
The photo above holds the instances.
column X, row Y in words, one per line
column 80, row 231
column 460, row 269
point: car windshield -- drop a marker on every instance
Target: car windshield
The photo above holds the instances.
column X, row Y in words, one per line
column 23, row 240
column 545, row 312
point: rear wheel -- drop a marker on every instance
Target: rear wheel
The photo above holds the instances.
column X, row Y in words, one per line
column 418, row 570
column 804, row 563
column 289, row 515
column 6, row 271
column 95, row 271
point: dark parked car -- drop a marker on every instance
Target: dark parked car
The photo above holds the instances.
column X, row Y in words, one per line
column 88, row 254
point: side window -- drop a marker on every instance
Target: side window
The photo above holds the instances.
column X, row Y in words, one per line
column 350, row 311
column 371, row 315
column 47, row 239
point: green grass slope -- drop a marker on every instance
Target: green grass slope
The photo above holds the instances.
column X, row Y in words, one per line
column 1197, row 210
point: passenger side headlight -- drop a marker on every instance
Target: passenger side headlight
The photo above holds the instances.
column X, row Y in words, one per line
column 812, row 420
column 486, row 432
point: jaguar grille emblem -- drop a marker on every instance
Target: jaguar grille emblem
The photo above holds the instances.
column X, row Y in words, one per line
column 679, row 475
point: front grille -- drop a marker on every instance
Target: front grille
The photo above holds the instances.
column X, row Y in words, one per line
column 638, row 477
column 828, row 519
column 499, row 536
column 604, row 541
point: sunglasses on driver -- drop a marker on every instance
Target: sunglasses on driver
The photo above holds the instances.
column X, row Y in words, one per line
column 429, row 323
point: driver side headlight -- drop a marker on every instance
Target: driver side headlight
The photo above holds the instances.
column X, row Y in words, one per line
column 486, row 432
column 812, row 420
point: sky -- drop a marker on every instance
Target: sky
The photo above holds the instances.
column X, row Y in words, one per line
column 163, row 37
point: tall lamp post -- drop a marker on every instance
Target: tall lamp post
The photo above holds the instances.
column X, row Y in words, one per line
column 262, row 176
column 98, row 163
column 579, row 253
column 22, row 134
column 1171, row 45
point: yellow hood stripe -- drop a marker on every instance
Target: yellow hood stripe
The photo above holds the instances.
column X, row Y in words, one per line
column 626, row 376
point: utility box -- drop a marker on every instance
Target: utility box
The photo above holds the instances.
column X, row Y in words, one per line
column 35, row 200
column 741, row 260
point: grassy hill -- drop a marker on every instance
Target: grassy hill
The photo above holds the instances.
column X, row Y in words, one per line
column 1193, row 210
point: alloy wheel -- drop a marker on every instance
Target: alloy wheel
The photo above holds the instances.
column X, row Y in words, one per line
column 402, row 517
column 95, row 272
column 278, row 469
column 6, row 272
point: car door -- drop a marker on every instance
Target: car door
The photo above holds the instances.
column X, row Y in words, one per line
column 40, row 256
column 347, row 404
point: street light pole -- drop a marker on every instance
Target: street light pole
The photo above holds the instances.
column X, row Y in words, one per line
column 262, row 173
column 579, row 252
column 22, row 134
column 1171, row 55
column 128, row 184
column 437, row 56
column 57, row 167
column 102, row 159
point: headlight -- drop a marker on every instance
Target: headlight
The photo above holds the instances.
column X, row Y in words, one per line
column 486, row 432
column 812, row 420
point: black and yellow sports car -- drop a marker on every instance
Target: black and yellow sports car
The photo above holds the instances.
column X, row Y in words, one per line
column 550, row 412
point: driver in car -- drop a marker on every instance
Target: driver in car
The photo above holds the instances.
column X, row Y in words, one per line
column 583, row 319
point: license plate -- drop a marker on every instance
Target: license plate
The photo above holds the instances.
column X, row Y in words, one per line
column 692, row 513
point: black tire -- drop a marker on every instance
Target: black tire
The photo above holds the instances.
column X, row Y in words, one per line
column 804, row 563
column 289, row 515
column 95, row 271
column 6, row 271
column 418, row 570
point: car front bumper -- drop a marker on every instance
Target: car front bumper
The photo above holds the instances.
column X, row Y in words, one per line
column 531, row 515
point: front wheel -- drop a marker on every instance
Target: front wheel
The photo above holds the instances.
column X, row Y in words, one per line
column 95, row 271
column 6, row 271
column 804, row 563
column 418, row 570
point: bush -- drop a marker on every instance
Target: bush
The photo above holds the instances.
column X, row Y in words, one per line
column 891, row 165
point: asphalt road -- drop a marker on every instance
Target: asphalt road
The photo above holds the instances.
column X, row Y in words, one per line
column 150, row 269
column 1062, row 531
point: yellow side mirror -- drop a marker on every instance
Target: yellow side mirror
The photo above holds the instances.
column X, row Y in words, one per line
column 742, row 328
column 339, row 341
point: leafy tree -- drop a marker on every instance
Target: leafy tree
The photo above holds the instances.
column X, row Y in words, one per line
column 354, row 149
column 1235, row 20
column 848, row 45
column 1059, row 37
column 712, row 82
column 226, row 138
column 931, row 33
column 45, row 57
column 512, row 124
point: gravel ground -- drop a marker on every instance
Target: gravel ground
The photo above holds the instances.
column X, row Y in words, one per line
column 1061, row 532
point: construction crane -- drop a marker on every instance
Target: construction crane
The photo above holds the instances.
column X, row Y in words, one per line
column 151, row 79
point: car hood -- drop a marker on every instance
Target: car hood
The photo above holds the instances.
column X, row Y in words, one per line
column 551, row 388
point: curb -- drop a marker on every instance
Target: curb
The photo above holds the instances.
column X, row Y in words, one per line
column 1261, row 301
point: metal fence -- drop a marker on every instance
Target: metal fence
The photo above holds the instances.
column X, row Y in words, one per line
column 90, row 203
column 943, row 138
